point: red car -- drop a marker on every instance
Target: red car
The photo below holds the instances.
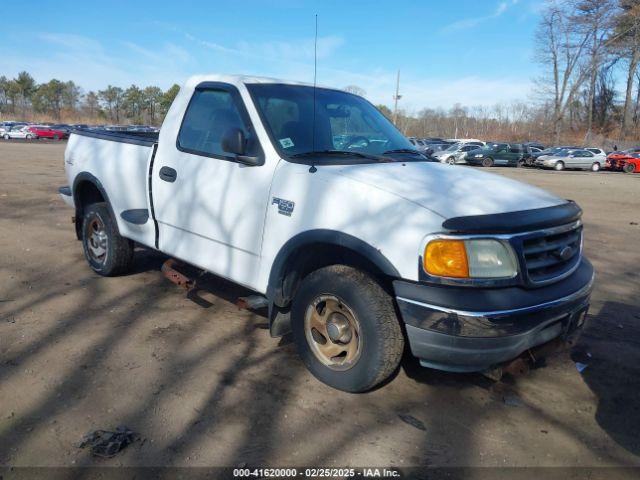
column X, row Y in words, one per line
column 46, row 132
column 618, row 160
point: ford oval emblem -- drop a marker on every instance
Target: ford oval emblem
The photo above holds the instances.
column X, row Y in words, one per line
column 565, row 253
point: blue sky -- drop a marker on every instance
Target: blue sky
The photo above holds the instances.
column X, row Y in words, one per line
column 473, row 52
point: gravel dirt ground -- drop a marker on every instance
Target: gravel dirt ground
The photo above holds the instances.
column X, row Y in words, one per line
column 205, row 385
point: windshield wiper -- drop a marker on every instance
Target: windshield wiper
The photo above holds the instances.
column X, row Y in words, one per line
column 335, row 152
column 402, row 150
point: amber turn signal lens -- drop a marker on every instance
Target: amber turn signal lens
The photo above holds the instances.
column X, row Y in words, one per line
column 446, row 258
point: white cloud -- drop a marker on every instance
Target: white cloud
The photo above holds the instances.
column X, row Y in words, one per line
column 93, row 66
column 501, row 8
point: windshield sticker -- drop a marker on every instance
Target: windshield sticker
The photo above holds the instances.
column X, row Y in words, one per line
column 286, row 142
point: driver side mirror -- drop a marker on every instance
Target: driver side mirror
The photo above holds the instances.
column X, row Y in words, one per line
column 234, row 141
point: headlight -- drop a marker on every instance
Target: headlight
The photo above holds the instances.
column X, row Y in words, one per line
column 473, row 258
column 478, row 155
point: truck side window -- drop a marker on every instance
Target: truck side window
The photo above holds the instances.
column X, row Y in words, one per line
column 209, row 115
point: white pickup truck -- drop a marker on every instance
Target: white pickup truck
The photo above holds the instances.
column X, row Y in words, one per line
column 359, row 245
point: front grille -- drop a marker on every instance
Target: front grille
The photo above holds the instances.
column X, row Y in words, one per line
column 552, row 254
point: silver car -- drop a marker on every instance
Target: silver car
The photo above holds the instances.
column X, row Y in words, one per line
column 19, row 131
column 457, row 153
column 578, row 159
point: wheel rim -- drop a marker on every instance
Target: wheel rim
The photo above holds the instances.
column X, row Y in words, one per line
column 559, row 166
column 595, row 167
column 451, row 161
column 97, row 240
column 333, row 332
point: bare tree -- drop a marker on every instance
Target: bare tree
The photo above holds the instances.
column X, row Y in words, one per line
column 627, row 41
column 560, row 48
column 593, row 19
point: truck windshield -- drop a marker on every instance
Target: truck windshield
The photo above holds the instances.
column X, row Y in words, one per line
column 344, row 124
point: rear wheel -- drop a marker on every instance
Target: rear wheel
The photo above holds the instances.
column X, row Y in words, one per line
column 346, row 329
column 595, row 167
column 56, row 137
column 629, row 168
column 520, row 164
column 559, row 166
column 29, row 136
column 487, row 162
column 6, row 137
column 451, row 161
column 107, row 252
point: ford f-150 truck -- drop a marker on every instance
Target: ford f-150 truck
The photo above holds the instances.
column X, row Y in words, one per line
column 359, row 245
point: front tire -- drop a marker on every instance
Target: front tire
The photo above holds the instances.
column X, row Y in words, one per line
column 629, row 168
column 451, row 161
column 595, row 167
column 107, row 253
column 56, row 138
column 6, row 137
column 559, row 166
column 346, row 329
column 487, row 162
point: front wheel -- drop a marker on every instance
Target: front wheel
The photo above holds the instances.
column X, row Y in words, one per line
column 487, row 162
column 107, row 253
column 6, row 137
column 629, row 168
column 595, row 167
column 520, row 164
column 559, row 166
column 346, row 329
column 29, row 137
column 451, row 161
column 56, row 137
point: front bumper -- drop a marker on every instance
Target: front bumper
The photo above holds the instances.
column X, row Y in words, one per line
column 467, row 329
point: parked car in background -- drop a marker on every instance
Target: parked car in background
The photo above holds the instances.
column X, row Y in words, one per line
column 617, row 161
column 419, row 144
column 632, row 163
column 63, row 127
column 48, row 132
column 458, row 155
column 580, row 159
column 18, row 131
column 553, row 150
column 499, row 154
column 535, row 145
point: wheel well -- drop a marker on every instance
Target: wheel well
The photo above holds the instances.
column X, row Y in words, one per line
column 313, row 256
column 86, row 193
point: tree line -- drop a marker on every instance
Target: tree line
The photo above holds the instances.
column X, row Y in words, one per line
column 25, row 99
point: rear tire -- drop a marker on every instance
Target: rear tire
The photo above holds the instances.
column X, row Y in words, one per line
column 56, row 137
column 595, row 167
column 629, row 168
column 346, row 329
column 487, row 162
column 520, row 164
column 107, row 253
column 559, row 166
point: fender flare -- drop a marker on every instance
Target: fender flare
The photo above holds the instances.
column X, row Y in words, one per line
column 88, row 177
column 326, row 237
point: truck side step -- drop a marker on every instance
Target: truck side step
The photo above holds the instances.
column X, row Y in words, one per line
column 253, row 302
column 175, row 276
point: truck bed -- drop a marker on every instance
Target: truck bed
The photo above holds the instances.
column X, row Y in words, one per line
column 146, row 139
column 120, row 162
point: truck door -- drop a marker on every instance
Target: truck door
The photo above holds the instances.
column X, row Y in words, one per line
column 210, row 208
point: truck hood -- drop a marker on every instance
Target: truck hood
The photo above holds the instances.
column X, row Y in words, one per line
column 450, row 191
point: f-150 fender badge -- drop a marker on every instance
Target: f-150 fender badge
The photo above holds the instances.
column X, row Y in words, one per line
column 285, row 207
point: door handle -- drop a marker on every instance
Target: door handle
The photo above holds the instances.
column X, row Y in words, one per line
column 168, row 174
